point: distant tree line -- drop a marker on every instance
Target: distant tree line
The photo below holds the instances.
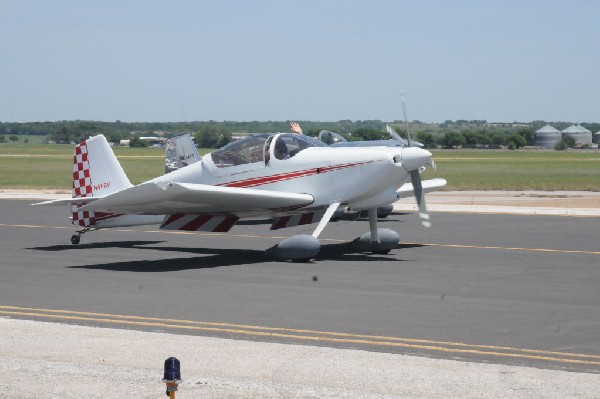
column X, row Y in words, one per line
column 478, row 139
column 12, row 137
column 465, row 138
column 214, row 134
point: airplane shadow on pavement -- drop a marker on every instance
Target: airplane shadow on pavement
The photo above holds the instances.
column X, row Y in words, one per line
column 211, row 257
column 98, row 245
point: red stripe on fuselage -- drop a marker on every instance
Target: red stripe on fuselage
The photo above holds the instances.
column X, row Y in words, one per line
column 259, row 181
column 101, row 216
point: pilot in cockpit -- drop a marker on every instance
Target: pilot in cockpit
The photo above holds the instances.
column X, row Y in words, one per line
column 281, row 151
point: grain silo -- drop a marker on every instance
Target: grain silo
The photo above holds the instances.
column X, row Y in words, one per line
column 579, row 133
column 547, row 137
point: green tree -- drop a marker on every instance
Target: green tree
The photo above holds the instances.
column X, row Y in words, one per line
column 370, row 134
column 564, row 143
column 470, row 137
column 61, row 134
column 137, row 142
column 12, row 137
column 569, row 141
column 483, row 139
column 527, row 134
column 497, row 139
column 453, row 139
column 517, row 140
column 561, row 146
column 212, row 136
column 427, row 139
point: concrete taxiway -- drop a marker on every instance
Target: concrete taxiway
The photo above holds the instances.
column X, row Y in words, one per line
column 502, row 289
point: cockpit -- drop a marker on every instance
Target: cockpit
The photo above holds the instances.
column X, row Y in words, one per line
column 288, row 145
column 257, row 148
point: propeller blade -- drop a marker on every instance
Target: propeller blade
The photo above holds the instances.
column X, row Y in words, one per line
column 415, row 178
column 405, row 120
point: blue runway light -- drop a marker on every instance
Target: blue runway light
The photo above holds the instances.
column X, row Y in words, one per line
column 172, row 370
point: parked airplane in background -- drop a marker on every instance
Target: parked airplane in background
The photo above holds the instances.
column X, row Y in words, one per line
column 291, row 178
column 180, row 151
column 337, row 140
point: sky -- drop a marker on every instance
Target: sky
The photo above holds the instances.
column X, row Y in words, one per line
column 318, row 60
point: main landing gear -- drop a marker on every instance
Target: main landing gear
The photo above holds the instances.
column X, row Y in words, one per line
column 302, row 247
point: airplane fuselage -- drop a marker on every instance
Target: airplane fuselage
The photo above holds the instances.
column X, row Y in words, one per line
column 345, row 175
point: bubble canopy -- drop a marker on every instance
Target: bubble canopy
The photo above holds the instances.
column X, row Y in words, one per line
column 255, row 148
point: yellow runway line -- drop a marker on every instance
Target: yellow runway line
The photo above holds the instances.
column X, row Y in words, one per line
column 306, row 335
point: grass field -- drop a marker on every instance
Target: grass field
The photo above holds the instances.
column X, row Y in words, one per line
column 518, row 170
column 27, row 166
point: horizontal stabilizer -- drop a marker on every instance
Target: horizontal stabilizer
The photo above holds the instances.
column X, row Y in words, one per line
column 156, row 198
column 430, row 185
column 68, row 201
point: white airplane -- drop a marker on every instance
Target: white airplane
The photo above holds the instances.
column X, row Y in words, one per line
column 291, row 178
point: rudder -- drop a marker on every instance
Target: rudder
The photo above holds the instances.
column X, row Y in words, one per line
column 96, row 173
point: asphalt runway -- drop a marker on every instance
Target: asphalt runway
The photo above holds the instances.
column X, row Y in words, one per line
column 509, row 289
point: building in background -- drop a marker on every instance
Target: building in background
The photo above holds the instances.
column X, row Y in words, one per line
column 581, row 135
column 547, row 137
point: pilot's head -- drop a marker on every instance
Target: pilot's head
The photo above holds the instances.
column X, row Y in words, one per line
column 280, row 149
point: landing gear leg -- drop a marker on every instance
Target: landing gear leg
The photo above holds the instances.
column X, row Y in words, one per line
column 377, row 241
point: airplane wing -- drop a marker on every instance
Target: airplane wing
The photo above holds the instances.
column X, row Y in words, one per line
column 155, row 198
column 430, row 185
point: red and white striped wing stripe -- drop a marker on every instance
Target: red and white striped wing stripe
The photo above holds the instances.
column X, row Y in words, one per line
column 193, row 222
column 296, row 220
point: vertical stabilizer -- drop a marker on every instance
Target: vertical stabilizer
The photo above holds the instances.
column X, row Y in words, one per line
column 96, row 173
column 180, row 151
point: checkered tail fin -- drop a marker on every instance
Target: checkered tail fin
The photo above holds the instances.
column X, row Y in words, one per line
column 96, row 173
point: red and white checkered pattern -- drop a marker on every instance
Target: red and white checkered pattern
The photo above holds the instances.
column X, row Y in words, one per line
column 82, row 185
